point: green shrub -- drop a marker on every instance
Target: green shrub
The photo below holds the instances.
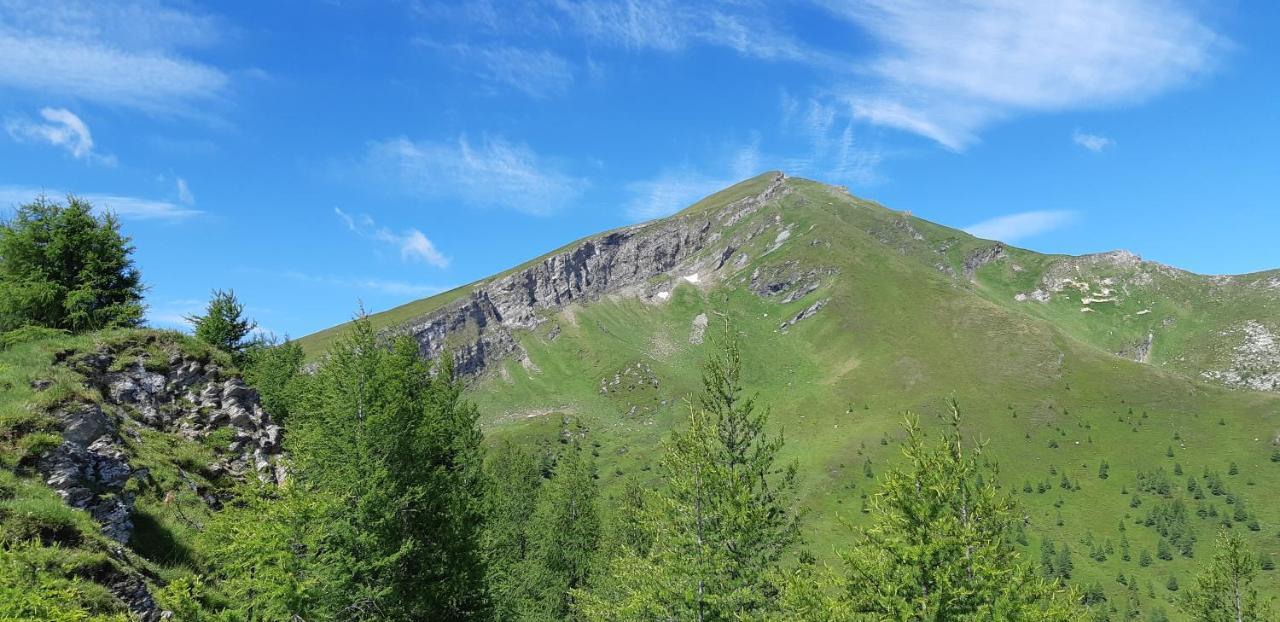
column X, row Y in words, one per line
column 44, row 519
column 33, row 587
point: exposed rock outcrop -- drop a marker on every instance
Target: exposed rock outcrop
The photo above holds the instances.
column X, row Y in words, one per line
column 478, row 329
column 808, row 312
column 698, row 328
column 184, row 396
column 982, row 257
column 1255, row 362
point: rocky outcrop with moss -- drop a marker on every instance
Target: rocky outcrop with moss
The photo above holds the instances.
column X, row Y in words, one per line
column 137, row 426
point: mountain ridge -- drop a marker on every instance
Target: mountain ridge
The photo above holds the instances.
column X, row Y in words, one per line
column 475, row 322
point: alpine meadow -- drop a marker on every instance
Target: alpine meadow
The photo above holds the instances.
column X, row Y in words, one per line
column 736, row 396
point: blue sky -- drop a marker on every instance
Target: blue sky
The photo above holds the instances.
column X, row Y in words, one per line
column 313, row 155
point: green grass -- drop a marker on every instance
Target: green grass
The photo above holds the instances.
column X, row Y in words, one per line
column 903, row 331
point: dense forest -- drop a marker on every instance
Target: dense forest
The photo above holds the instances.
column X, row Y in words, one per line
column 394, row 506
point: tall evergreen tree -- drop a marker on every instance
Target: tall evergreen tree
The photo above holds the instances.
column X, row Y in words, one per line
column 1225, row 591
column 941, row 546
column 61, row 266
column 513, row 478
column 718, row 528
column 391, row 442
column 564, row 536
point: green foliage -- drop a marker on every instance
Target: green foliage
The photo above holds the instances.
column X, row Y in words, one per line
column 512, row 479
column 223, row 325
column 35, row 585
column 263, row 548
column 394, row 453
column 272, row 369
column 718, row 529
column 564, row 537
column 1225, row 590
column 940, row 548
column 63, row 267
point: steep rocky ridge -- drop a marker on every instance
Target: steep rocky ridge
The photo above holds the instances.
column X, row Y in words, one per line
column 637, row 261
column 756, row 233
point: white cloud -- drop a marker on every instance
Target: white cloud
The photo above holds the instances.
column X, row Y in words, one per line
column 1092, row 142
column 832, row 155
column 538, row 73
column 494, row 173
column 675, row 189
column 1024, row 225
column 130, row 208
column 673, row 25
column 184, row 193
column 395, row 288
column 62, row 128
column 411, row 244
column 946, row 70
column 126, row 54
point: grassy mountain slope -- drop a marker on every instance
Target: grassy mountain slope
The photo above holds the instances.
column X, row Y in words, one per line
column 913, row 313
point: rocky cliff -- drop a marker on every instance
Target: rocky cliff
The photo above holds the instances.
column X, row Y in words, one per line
column 640, row 261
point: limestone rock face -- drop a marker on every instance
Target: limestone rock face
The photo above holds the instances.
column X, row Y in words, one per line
column 191, row 399
column 477, row 330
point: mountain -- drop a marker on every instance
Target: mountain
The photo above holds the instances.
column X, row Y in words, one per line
column 1103, row 385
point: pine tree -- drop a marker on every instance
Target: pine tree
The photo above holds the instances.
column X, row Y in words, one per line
column 63, row 267
column 223, row 325
column 1225, row 589
column 393, row 446
column 512, row 479
column 564, row 536
column 272, row 370
column 940, row 548
column 721, row 524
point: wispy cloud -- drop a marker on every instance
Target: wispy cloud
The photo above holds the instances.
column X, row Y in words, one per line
column 131, row 208
column 126, row 54
column 535, row 72
column 493, row 173
column 184, row 193
column 1092, row 142
column 947, row 70
column 394, row 288
column 677, row 188
column 411, row 244
column 61, row 128
column 1015, row 227
column 748, row 27
column 673, row 25
column 833, row 154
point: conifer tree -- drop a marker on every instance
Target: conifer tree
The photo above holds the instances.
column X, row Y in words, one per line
column 223, row 325
column 62, row 266
column 719, row 527
column 941, row 548
column 394, row 448
column 564, row 536
column 513, row 479
column 1225, row 589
